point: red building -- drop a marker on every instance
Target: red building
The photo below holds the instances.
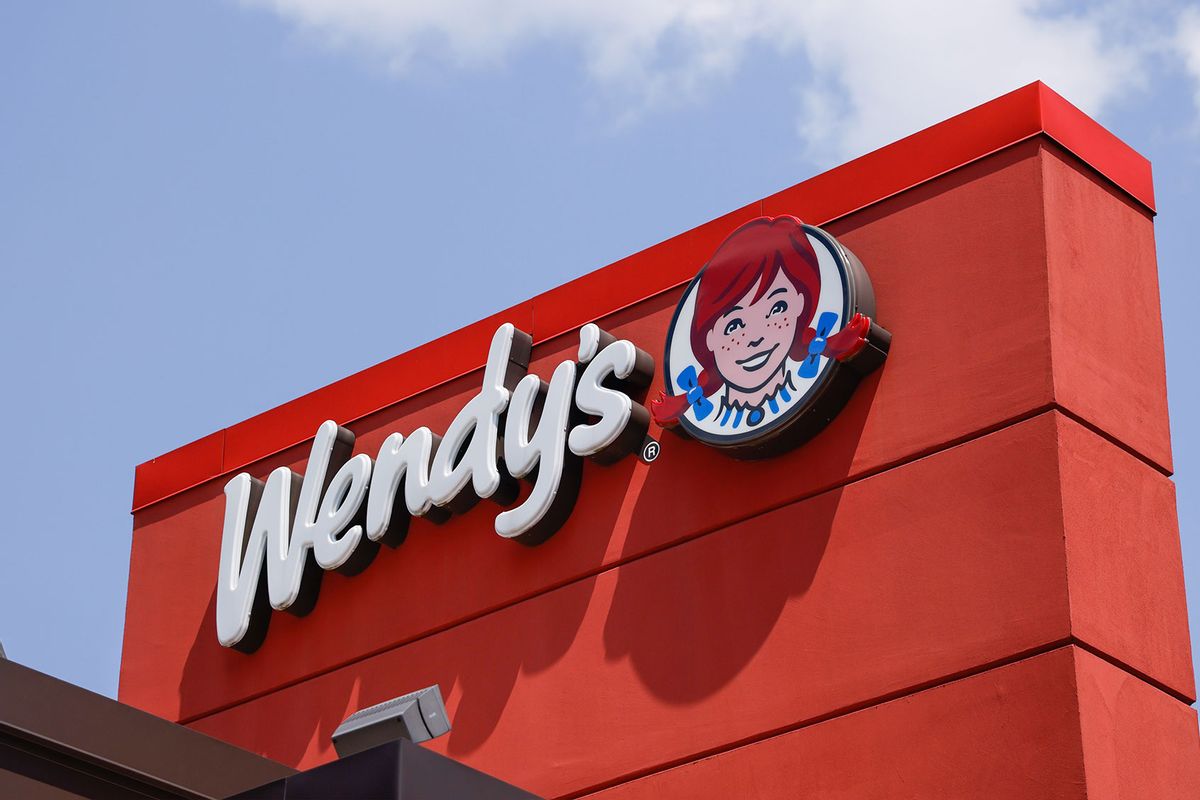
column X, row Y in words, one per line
column 967, row 585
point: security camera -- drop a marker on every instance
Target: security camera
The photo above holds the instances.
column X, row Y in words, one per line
column 418, row 716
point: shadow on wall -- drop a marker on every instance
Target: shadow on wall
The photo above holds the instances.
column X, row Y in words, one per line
column 690, row 625
column 687, row 623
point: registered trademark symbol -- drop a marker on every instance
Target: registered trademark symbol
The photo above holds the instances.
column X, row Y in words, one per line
column 650, row 450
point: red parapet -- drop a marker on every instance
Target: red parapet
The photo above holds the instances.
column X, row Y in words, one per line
column 183, row 467
column 1031, row 111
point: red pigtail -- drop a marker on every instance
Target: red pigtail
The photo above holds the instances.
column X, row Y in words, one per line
column 667, row 409
column 846, row 343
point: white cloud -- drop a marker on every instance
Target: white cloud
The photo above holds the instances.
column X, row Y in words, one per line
column 902, row 66
column 863, row 75
column 1187, row 42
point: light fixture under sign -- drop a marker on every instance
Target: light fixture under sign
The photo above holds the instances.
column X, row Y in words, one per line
column 417, row 716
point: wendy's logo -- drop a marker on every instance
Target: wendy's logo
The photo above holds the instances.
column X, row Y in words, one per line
column 769, row 340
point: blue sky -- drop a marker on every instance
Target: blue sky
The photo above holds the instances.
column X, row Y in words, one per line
column 193, row 193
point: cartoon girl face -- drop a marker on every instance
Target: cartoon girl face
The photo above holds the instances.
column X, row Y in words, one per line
column 751, row 341
column 755, row 329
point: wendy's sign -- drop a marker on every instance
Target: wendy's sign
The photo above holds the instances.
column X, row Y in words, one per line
column 748, row 371
column 769, row 340
column 286, row 531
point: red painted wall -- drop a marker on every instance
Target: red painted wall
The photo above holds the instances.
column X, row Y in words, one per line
column 969, row 585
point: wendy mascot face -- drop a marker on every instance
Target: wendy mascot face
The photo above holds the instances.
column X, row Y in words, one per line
column 769, row 340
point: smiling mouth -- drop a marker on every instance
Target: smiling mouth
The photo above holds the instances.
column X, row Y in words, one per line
column 757, row 361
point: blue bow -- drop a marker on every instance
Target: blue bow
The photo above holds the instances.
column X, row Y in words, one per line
column 816, row 347
column 689, row 383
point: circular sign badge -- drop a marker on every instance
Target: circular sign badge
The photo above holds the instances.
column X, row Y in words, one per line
column 769, row 340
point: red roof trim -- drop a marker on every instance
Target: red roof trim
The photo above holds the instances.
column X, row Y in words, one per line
column 1029, row 111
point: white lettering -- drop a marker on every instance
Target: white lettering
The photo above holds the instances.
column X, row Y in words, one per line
column 328, row 505
column 552, row 497
column 288, row 530
column 250, row 554
column 401, row 461
column 467, row 453
column 623, row 423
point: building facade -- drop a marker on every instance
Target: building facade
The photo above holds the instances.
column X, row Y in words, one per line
column 964, row 581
